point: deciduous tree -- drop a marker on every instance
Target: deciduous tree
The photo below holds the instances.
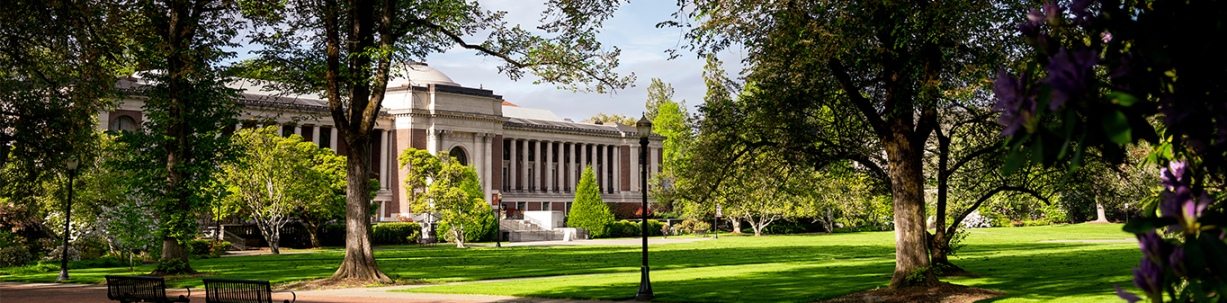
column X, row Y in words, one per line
column 850, row 80
column 442, row 186
column 345, row 50
column 268, row 180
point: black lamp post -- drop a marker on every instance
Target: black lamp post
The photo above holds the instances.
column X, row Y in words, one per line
column 72, row 170
column 644, row 127
column 498, row 220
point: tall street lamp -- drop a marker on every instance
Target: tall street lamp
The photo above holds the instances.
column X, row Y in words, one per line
column 644, row 127
column 72, row 170
column 498, row 219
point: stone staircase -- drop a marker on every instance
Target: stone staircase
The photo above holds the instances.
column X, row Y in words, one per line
column 527, row 231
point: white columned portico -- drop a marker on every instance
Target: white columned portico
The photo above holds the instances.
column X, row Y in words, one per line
column 383, row 159
column 572, row 168
column 635, row 162
column 549, row 166
column 315, row 135
column 583, row 162
column 333, row 138
column 617, row 168
column 512, row 172
column 601, row 158
column 487, row 161
column 652, row 155
column 524, row 167
column 538, row 164
column 560, row 173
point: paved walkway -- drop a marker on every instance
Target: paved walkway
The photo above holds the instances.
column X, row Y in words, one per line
column 11, row 292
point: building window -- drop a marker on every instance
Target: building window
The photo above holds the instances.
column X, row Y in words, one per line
column 287, row 130
column 123, row 123
column 545, row 206
column 506, row 180
column 531, row 181
column 459, row 154
column 326, row 137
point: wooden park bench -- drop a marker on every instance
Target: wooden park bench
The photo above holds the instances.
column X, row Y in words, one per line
column 239, row 291
column 140, row 289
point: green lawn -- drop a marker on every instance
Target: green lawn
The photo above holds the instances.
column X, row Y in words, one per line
column 798, row 268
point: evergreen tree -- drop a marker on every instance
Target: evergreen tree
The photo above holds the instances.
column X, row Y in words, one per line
column 589, row 211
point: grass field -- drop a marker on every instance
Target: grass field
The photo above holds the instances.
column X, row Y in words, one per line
column 793, row 268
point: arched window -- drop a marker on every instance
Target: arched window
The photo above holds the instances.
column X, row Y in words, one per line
column 123, row 123
column 458, row 153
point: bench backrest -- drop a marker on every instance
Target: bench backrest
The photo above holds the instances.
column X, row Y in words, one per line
column 136, row 288
column 237, row 291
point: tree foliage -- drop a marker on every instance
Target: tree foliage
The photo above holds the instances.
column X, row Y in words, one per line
column 271, row 179
column 346, row 51
column 442, row 186
column 859, row 81
column 604, row 118
column 673, row 122
column 1098, row 76
column 589, row 211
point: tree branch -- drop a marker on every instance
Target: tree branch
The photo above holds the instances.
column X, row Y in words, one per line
column 863, row 104
column 954, row 224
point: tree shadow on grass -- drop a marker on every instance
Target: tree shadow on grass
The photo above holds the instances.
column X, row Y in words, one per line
column 1042, row 272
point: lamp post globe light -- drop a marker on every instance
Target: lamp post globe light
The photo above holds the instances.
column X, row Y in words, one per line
column 644, row 128
column 71, row 164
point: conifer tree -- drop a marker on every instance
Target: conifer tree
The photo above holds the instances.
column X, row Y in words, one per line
column 589, row 211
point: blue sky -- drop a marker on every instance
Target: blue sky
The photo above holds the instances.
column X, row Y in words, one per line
column 633, row 29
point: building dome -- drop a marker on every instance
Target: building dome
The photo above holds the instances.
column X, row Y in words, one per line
column 418, row 74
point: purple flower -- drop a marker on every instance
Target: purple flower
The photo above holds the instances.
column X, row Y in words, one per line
column 1105, row 37
column 1176, row 260
column 1081, row 10
column 1128, row 296
column 1148, row 276
column 1069, row 74
column 1014, row 102
column 1175, row 174
column 1180, row 200
column 1052, row 13
column 1035, row 15
column 1152, row 246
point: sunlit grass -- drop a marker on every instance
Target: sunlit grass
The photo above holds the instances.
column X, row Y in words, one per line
column 794, row 268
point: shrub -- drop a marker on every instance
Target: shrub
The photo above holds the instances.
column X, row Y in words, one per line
column 623, row 228
column 1054, row 214
column 395, row 233
column 693, row 225
column 975, row 220
column 91, row 245
column 785, row 228
column 627, row 228
column 332, row 234
column 207, row 248
column 170, row 265
column 589, row 211
column 15, row 255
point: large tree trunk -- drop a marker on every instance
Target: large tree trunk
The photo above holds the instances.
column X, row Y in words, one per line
column 1100, row 214
column 907, row 188
column 939, row 244
column 736, row 225
column 312, row 233
column 359, row 262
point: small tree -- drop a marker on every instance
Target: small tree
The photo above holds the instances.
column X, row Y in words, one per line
column 452, row 191
column 266, row 181
column 589, row 211
column 324, row 196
